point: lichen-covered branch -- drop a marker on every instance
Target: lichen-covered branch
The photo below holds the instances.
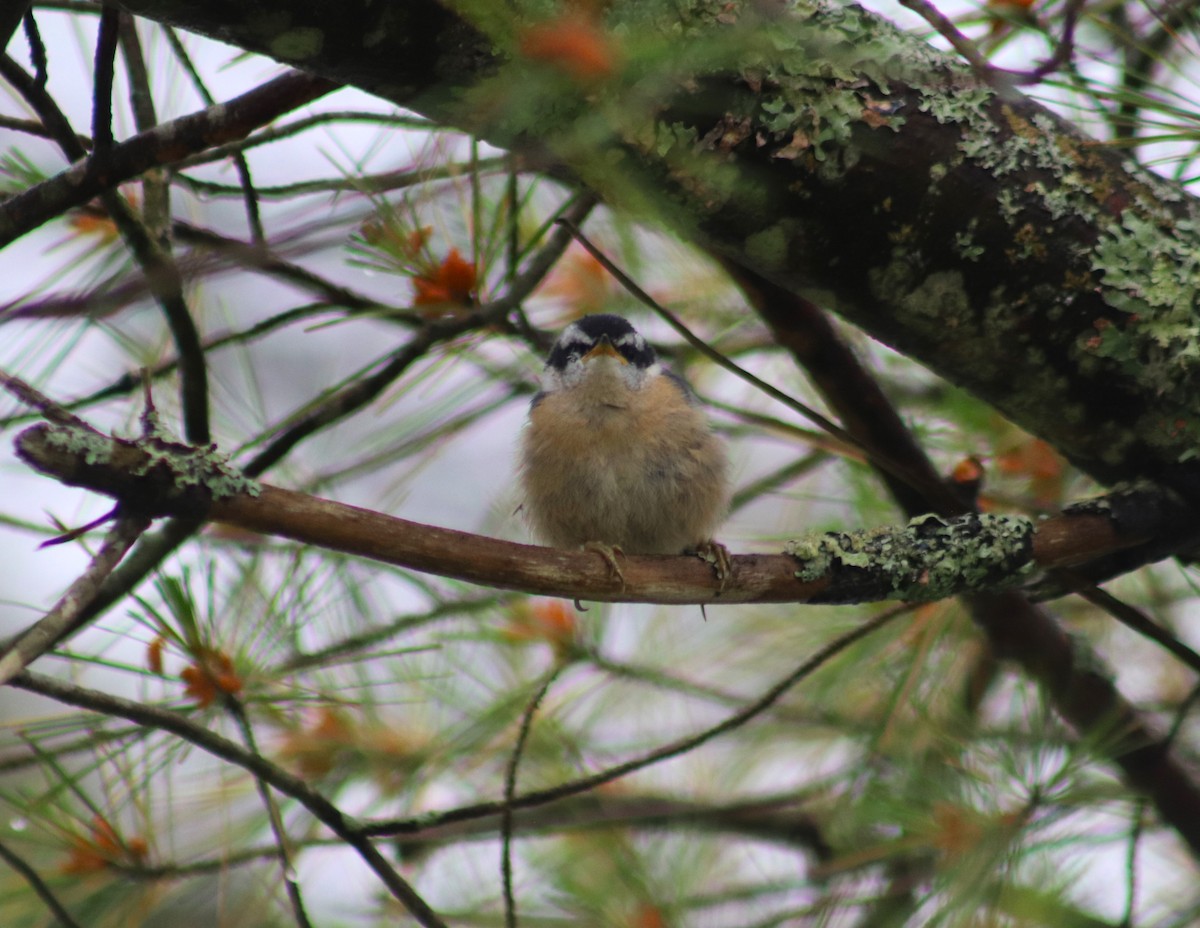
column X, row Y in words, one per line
column 930, row 558
column 920, row 561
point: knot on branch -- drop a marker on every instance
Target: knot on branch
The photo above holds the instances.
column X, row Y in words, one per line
column 928, row 559
column 151, row 477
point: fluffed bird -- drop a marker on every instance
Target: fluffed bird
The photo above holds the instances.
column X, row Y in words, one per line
column 617, row 453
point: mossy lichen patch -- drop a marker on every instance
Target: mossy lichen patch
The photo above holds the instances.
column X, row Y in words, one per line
column 188, row 468
column 928, row 559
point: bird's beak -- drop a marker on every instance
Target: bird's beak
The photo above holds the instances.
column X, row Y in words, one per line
column 605, row 349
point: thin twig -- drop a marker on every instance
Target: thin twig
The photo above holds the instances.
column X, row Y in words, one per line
column 69, row 612
column 249, row 195
column 37, row 49
column 1063, row 51
column 106, row 52
column 510, row 791
column 46, row 407
column 947, row 30
column 156, row 192
column 1136, row 620
column 35, row 127
column 283, row 844
column 39, row 886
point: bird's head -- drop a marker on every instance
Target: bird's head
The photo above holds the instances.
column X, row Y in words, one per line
column 600, row 350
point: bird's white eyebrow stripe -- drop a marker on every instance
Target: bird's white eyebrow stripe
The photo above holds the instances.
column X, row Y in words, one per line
column 572, row 334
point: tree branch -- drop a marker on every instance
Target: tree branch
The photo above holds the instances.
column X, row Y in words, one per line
column 930, row 558
column 164, row 144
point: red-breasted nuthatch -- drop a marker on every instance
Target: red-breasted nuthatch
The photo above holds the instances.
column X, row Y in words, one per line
column 617, row 453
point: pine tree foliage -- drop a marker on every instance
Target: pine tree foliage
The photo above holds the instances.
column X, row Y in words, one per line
column 920, row 263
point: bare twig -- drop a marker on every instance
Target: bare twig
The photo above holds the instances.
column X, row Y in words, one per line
column 34, row 127
column 1063, row 51
column 37, row 48
column 948, row 31
column 156, row 192
column 45, row 406
column 1138, row 621
column 249, row 195
column 66, row 614
column 106, row 51
column 510, row 791
column 283, row 844
column 39, row 886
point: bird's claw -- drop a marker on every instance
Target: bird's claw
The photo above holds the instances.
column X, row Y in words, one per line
column 717, row 555
column 609, row 553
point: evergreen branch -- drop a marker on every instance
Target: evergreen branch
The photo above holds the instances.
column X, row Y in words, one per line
column 321, row 808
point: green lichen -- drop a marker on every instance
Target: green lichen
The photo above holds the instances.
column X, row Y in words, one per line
column 188, row 466
column 964, row 106
column 1151, row 272
column 933, row 304
column 941, row 297
column 769, row 248
column 297, row 44
column 965, row 243
column 197, row 467
column 94, row 448
column 1038, row 144
column 928, row 559
column 827, row 69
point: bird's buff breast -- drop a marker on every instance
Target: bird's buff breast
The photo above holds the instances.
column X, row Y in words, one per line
column 641, row 471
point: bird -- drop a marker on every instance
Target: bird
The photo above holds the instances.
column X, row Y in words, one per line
column 617, row 455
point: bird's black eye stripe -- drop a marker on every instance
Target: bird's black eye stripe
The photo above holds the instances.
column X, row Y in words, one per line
column 636, row 351
column 561, row 355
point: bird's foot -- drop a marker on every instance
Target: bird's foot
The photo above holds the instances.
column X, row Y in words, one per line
column 609, row 553
column 717, row 555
